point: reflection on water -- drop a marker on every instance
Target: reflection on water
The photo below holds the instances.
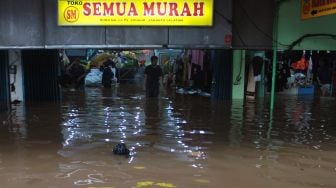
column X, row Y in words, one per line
column 175, row 141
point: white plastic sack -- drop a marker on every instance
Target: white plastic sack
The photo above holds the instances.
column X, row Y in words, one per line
column 94, row 78
column 299, row 76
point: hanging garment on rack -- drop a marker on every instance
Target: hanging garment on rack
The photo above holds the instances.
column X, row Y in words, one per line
column 207, row 70
column 251, row 84
column 257, row 64
column 300, row 65
column 310, row 71
column 197, row 57
column 185, row 68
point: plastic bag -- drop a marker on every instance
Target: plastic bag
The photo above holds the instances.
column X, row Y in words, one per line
column 94, row 78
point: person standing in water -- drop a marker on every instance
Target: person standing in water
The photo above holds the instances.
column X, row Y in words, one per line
column 76, row 72
column 153, row 77
column 324, row 78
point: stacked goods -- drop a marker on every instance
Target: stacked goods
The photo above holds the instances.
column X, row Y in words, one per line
column 99, row 59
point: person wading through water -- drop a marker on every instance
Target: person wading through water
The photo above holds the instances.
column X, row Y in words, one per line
column 153, row 78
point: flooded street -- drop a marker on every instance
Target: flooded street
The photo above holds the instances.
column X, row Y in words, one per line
column 175, row 141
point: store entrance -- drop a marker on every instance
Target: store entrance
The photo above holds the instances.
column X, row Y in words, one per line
column 304, row 73
column 184, row 71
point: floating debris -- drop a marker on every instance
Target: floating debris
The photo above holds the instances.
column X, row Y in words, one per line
column 139, row 167
column 202, row 181
column 121, row 149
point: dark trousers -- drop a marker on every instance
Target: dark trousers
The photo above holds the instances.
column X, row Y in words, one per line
column 152, row 91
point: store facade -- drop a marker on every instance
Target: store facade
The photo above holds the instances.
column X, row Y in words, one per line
column 236, row 35
column 39, row 21
column 302, row 39
column 306, row 42
column 27, row 26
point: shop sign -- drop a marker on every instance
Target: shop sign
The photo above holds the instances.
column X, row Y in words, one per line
column 316, row 8
column 135, row 12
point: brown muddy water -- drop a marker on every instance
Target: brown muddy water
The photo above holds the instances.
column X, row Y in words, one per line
column 175, row 141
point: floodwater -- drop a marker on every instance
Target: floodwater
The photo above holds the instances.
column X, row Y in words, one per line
column 175, row 141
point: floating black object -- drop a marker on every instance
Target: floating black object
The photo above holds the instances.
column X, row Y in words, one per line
column 121, row 149
column 16, row 102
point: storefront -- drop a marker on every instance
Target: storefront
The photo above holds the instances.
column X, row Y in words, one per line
column 112, row 26
column 203, row 25
column 302, row 44
column 308, row 44
column 186, row 71
column 206, row 28
column 303, row 72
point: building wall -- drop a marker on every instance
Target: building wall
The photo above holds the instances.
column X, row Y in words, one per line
column 291, row 28
column 21, row 24
column 252, row 25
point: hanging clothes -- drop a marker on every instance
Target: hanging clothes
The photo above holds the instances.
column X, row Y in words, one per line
column 179, row 65
column 302, row 64
column 310, row 71
column 185, row 68
column 257, row 63
column 251, row 83
column 207, row 69
column 196, row 57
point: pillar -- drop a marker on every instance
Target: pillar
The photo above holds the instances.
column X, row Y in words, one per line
column 4, row 81
column 238, row 79
column 222, row 78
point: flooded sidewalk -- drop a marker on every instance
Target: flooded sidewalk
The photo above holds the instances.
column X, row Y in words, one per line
column 175, row 141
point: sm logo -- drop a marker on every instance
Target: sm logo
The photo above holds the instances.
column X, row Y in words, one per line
column 71, row 14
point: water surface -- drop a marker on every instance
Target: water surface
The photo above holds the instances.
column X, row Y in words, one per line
column 175, row 141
